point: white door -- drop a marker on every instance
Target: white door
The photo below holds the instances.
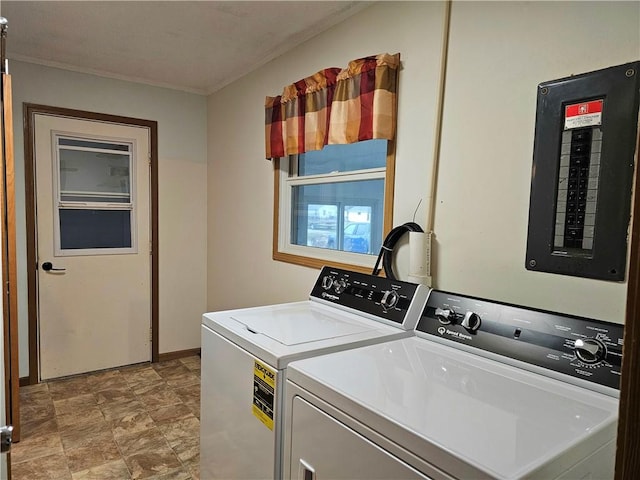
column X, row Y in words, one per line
column 93, row 243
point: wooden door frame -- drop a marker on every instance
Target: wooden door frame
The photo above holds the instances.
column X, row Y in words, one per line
column 30, row 111
column 9, row 265
column 628, row 441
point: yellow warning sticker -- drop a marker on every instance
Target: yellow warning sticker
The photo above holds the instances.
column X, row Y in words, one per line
column 264, row 385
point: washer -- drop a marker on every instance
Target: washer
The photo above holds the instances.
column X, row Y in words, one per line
column 245, row 354
column 485, row 390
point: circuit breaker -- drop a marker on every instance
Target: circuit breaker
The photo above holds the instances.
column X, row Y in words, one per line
column 583, row 164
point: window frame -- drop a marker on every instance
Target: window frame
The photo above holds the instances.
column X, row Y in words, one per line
column 284, row 251
column 59, row 204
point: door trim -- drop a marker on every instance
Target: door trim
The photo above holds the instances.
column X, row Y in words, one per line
column 30, row 111
column 628, row 439
column 9, row 265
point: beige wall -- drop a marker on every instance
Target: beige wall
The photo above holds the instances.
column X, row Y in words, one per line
column 499, row 53
column 240, row 269
column 216, row 189
column 182, row 171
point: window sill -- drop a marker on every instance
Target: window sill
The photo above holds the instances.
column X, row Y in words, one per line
column 318, row 263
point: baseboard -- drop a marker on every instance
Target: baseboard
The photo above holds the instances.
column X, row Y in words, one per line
column 163, row 357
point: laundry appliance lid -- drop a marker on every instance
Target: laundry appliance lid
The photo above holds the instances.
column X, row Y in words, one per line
column 468, row 415
column 278, row 334
column 299, row 324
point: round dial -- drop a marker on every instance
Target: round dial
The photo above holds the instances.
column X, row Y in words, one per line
column 590, row 350
column 445, row 316
column 340, row 286
column 471, row 321
column 327, row 281
column 389, row 299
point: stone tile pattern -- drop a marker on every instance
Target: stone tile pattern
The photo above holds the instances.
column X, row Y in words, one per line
column 137, row 422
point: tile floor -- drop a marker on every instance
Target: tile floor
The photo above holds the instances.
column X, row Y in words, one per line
column 135, row 422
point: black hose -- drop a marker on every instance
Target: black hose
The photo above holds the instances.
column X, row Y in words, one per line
column 386, row 252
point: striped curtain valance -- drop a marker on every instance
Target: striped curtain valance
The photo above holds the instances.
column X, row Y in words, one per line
column 334, row 106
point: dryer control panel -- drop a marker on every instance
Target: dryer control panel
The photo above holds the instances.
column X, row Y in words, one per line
column 580, row 347
column 395, row 301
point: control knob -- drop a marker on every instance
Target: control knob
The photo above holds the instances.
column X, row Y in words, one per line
column 327, row 282
column 340, row 286
column 389, row 299
column 445, row 316
column 590, row 350
column 471, row 321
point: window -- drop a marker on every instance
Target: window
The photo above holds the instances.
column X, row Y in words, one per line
column 331, row 135
column 330, row 206
column 93, row 197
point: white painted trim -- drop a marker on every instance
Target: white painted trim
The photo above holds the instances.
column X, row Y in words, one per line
column 287, row 183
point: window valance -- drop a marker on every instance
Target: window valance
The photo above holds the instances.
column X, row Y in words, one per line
column 334, row 106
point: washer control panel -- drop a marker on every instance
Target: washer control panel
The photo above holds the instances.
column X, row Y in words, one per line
column 395, row 301
column 577, row 346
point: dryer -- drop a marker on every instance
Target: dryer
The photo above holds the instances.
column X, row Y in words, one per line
column 485, row 390
column 245, row 353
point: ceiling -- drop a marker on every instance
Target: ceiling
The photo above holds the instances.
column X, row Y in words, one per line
column 195, row 46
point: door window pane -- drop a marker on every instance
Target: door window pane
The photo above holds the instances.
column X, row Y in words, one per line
column 87, row 229
column 94, row 194
column 83, row 142
column 99, row 176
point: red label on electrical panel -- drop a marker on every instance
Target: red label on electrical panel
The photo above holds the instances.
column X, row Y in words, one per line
column 587, row 114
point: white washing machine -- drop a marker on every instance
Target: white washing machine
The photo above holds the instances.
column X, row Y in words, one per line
column 245, row 354
column 483, row 391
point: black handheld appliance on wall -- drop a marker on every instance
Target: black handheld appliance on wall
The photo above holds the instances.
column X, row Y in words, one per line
column 583, row 163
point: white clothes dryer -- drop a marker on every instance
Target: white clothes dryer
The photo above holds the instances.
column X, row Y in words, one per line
column 245, row 353
column 483, row 391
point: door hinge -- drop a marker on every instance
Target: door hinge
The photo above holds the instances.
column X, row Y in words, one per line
column 150, row 335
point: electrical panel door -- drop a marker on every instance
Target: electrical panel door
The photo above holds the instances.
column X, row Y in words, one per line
column 583, row 164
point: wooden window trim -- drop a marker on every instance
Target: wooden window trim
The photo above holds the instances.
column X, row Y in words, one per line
column 318, row 263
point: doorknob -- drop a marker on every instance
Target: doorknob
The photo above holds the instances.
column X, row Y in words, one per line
column 48, row 266
column 6, row 434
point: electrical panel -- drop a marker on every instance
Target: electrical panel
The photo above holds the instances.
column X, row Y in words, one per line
column 583, row 163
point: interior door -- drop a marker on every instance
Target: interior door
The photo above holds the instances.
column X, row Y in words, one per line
column 93, row 243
